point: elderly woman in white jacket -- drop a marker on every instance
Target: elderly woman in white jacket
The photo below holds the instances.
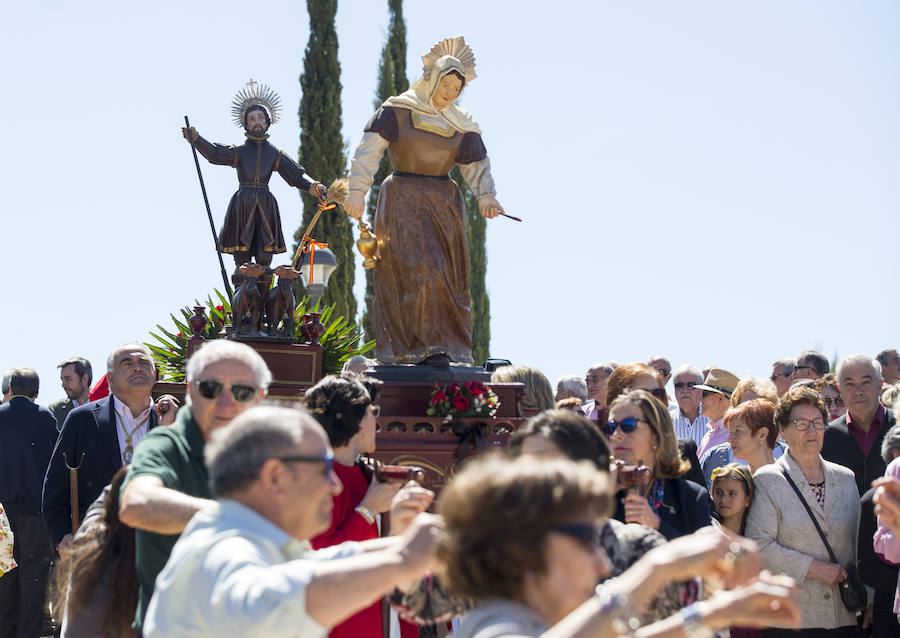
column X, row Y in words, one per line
column 779, row 523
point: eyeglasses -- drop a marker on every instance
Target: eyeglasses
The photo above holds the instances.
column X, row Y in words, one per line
column 710, row 393
column 375, row 410
column 663, row 371
column 803, row 425
column 211, row 389
column 327, row 459
column 775, row 375
column 585, row 533
column 837, row 402
column 684, row 386
column 628, row 425
column 660, row 394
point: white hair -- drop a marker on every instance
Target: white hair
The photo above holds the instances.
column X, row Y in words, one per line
column 687, row 368
column 859, row 359
column 358, row 363
column 226, row 350
column 572, row 383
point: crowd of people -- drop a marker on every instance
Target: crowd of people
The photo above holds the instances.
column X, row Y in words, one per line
column 735, row 506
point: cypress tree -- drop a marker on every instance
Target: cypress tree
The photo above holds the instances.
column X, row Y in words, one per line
column 391, row 81
column 397, row 44
column 385, row 90
column 322, row 149
column 476, row 227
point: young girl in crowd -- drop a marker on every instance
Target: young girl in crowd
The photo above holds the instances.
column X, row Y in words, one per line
column 732, row 494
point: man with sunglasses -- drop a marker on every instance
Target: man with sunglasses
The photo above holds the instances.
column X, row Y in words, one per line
column 890, row 366
column 246, row 568
column 811, row 364
column 715, row 398
column 686, row 419
column 662, row 365
column 784, row 373
column 167, row 482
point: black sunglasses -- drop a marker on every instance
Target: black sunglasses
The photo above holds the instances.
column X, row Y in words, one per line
column 327, row 459
column 628, row 425
column 212, row 389
column 585, row 533
column 684, row 386
column 660, row 394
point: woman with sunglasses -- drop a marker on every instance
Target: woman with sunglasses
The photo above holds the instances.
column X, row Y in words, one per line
column 782, row 526
column 561, row 434
column 827, row 386
column 521, row 542
column 641, row 433
column 345, row 406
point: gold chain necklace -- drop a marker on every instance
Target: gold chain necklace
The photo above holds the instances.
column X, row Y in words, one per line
column 129, row 448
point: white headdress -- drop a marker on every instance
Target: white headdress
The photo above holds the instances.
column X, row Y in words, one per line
column 455, row 48
column 256, row 95
column 449, row 55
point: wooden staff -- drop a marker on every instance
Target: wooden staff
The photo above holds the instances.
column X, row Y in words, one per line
column 212, row 225
column 73, row 490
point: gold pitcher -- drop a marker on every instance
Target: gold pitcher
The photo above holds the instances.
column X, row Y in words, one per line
column 367, row 244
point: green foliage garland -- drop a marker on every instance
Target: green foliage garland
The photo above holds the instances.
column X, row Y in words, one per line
column 340, row 341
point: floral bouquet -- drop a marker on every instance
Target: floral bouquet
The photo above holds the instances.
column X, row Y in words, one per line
column 460, row 400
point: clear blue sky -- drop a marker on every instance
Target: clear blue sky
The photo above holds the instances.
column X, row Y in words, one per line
column 718, row 182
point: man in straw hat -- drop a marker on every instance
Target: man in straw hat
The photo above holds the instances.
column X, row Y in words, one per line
column 717, row 389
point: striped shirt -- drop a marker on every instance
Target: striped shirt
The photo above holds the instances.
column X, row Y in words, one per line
column 685, row 428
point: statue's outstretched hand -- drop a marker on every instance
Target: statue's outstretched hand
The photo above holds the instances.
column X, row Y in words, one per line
column 318, row 191
column 190, row 134
column 489, row 207
column 355, row 204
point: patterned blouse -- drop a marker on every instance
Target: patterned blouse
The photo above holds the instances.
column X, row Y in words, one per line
column 7, row 563
column 819, row 490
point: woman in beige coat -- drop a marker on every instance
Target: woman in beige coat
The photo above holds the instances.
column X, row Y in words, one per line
column 780, row 524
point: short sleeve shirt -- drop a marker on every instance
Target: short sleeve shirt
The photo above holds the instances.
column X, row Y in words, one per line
column 174, row 455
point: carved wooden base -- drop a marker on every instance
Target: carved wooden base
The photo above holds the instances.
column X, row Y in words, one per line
column 405, row 435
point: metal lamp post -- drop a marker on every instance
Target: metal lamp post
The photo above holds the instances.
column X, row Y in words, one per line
column 324, row 264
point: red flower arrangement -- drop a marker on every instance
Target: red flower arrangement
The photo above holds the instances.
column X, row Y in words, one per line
column 460, row 400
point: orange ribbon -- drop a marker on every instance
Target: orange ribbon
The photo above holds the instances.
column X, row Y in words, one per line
column 310, row 248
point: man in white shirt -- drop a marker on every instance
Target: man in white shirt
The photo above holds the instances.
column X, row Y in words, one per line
column 686, row 418
column 595, row 384
column 246, row 568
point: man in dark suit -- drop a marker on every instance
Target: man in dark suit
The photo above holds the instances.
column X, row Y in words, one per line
column 75, row 375
column 855, row 439
column 27, row 434
column 98, row 438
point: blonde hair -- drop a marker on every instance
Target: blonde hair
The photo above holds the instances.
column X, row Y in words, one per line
column 762, row 388
column 538, row 393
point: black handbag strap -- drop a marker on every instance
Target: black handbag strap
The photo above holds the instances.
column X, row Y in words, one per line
column 811, row 516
